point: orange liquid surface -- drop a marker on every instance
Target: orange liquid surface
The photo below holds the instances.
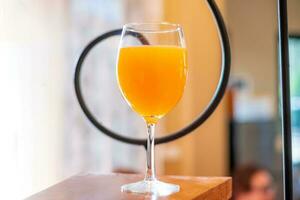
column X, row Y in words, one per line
column 152, row 78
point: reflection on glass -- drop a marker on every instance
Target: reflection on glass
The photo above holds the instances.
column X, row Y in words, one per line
column 294, row 51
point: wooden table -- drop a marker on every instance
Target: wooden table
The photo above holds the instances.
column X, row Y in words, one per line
column 107, row 187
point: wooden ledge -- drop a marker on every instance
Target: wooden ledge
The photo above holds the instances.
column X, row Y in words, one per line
column 107, row 187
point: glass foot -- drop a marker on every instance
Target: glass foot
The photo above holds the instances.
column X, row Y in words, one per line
column 155, row 187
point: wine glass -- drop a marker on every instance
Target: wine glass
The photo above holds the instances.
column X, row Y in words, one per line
column 151, row 74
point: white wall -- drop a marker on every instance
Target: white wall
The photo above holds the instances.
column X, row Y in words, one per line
column 32, row 66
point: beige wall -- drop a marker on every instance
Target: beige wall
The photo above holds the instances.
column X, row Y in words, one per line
column 252, row 27
column 205, row 151
column 294, row 16
column 253, row 34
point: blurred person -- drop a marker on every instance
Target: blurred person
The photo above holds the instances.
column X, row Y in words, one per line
column 251, row 182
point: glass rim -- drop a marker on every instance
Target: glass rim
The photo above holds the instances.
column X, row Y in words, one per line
column 152, row 27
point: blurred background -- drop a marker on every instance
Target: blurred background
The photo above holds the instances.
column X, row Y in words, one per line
column 45, row 137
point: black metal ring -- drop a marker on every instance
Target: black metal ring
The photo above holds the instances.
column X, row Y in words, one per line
column 217, row 97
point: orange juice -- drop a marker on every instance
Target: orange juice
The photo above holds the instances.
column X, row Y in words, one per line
column 152, row 78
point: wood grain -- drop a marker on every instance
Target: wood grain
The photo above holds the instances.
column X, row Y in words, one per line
column 107, row 187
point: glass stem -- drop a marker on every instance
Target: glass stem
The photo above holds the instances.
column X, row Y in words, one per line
column 150, row 171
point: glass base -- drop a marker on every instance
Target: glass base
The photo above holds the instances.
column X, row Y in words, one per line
column 155, row 187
